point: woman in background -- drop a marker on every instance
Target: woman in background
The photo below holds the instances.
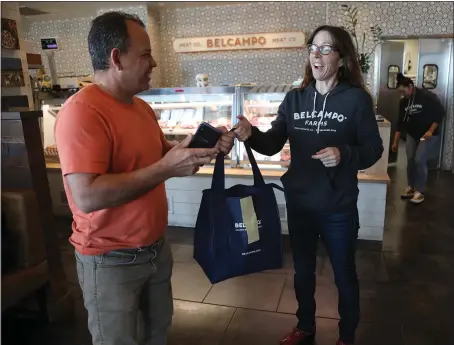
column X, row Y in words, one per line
column 331, row 125
column 420, row 113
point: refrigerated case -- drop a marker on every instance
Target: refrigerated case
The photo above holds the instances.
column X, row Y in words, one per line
column 181, row 110
column 260, row 104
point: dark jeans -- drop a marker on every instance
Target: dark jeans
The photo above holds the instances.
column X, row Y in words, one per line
column 339, row 232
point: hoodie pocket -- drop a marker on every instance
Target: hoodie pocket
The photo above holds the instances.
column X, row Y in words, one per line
column 313, row 181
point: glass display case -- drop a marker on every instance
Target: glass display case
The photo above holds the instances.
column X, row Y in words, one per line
column 259, row 104
column 50, row 108
column 181, row 110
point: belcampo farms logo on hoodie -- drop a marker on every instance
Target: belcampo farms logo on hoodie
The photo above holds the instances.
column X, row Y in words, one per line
column 318, row 120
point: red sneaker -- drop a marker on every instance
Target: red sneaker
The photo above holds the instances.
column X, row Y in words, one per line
column 340, row 342
column 297, row 337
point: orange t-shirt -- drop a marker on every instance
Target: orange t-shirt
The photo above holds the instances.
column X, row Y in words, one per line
column 97, row 134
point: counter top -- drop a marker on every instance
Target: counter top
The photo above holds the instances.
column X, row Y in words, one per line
column 21, row 115
column 384, row 123
column 270, row 173
column 267, row 173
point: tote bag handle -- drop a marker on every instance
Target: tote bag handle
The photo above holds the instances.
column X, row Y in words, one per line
column 218, row 182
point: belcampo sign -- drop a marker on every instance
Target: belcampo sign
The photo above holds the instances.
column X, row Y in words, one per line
column 240, row 42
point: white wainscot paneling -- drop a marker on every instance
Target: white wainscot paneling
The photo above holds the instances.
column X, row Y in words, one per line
column 182, row 220
column 372, row 190
column 371, row 233
column 185, row 196
column 186, row 209
column 187, row 193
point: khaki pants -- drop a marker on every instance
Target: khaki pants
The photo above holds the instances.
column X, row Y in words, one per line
column 116, row 286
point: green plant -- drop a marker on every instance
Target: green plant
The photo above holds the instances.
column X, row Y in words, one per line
column 351, row 14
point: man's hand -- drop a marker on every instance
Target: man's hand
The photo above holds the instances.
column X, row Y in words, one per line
column 428, row 134
column 181, row 161
column 225, row 143
column 330, row 157
column 243, row 128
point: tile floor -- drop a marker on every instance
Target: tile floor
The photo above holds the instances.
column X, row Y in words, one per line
column 407, row 290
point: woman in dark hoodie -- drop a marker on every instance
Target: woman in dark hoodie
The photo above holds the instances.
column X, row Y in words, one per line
column 420, row 113
column 333, row 133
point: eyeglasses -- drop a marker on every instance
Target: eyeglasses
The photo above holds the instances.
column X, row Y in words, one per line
column 324, row 50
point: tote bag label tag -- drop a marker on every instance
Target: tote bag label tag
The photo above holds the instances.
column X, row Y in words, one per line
column 250, row 220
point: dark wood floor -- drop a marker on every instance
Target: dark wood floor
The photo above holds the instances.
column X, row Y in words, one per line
column 407, row 290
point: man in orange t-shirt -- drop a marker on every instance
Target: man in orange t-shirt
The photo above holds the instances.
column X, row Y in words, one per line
column 115, row 160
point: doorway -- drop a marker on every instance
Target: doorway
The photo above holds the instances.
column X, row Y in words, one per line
column 428, row 62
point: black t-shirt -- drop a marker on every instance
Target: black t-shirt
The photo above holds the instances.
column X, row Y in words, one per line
column 419, row 112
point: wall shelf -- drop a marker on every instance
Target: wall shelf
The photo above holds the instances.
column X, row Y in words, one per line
column 35, row 67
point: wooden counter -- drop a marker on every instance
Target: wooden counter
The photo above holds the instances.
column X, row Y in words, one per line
column 267, row 173
column 384, row 123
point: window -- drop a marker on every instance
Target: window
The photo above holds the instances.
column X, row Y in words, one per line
column 430, row 76
column 392, row 76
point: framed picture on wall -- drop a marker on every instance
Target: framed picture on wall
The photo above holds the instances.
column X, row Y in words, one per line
column 10, row 36
column 11, row 64
column 12, row 79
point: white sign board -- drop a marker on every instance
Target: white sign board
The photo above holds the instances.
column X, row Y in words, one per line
column 240, row 42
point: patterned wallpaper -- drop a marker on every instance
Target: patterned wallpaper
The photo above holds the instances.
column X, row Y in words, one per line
column 266, row 66
column 154, row 31
column 400, row 18
column 72, row 58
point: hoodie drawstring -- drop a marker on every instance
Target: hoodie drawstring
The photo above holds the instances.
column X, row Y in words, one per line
column 315, row 99
column 323, row 110
column 409, row 106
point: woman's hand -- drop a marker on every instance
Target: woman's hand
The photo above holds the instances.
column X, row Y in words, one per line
column 243, row 128
column 330, row 157
column 428, row 134
column 395, row 147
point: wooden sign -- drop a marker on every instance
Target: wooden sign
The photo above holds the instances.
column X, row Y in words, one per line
column 240, row 42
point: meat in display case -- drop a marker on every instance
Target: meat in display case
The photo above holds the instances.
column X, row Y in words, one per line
column 259, row 104
column 181, row 110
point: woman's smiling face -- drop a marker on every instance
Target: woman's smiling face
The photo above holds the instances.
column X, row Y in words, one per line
column 324, row 66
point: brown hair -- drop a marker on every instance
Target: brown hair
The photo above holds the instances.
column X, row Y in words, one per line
column 350, row 71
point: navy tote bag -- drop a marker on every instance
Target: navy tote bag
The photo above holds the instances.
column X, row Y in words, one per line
column 238, row 230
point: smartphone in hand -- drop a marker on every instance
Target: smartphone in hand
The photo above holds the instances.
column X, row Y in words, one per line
column 206, row 137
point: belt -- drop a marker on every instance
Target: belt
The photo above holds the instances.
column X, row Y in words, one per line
column 149, row 248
